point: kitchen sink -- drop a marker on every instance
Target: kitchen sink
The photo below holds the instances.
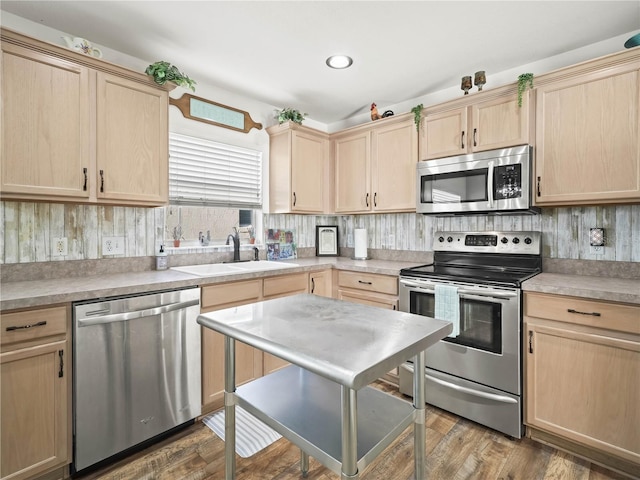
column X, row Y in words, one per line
column 214, row 269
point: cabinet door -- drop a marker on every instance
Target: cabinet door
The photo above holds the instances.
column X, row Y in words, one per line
column 584, row 386
column 46, row 127
column 444, row 134
column 587, row 131
column 499, row 123
column 320, row 283
column 248, row 359
column 132, row 148
column 34, row 416
column 281, row 286
column 352, row 176
column 309, row 160
column 394, row 156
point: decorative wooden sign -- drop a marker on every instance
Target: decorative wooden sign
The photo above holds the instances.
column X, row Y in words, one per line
column 203, row 110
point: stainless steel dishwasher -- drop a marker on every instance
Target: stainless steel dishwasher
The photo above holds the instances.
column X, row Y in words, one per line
column 136, row 370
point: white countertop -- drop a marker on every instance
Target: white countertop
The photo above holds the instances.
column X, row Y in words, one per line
column 35, row 293
column 623, row 290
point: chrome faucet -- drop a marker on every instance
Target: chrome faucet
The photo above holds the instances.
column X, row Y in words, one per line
column 236, row 244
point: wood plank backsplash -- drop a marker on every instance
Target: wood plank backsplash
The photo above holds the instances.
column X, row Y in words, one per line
column 27, row 230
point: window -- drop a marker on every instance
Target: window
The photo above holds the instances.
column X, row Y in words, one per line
column 213, row 187
column 202, row 172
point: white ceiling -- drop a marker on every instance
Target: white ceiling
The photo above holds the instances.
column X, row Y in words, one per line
column 275, row 51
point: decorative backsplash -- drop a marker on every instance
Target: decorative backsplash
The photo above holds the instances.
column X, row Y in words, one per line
column 27, row 230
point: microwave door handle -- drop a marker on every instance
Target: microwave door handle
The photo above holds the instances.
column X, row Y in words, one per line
column 490, row 185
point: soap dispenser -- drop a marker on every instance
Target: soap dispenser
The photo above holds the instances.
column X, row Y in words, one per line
column 161, row 259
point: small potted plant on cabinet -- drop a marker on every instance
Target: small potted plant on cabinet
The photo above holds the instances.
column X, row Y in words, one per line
column 163, row 72
column 524, row 80
column 290, row 114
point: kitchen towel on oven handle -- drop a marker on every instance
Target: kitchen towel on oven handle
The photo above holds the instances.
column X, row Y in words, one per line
column 448, row 306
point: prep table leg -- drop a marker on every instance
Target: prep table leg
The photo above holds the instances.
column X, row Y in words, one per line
column 349, row 434
column 419, row 432
column 304, row 463
column 229, row 408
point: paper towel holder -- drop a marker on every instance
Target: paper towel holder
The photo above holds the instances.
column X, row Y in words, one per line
column 355, row 250
column 327, row 241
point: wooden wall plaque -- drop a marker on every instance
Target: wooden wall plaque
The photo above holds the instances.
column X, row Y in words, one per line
column 213, row 113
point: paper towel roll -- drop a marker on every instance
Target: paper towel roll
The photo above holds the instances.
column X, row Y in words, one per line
column 360, row 239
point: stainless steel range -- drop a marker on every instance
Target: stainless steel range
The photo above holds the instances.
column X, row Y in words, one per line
column 475, row 282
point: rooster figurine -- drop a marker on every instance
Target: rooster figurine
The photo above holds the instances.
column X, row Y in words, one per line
column 374, row 112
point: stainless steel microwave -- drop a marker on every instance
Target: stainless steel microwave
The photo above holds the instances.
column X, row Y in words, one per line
column 496, row 181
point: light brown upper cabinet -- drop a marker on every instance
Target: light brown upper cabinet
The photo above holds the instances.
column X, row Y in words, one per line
column 132, row 141
column 587, row 133
column 298, row 169
column 375, row 167
column 481, row 121
column 79, row 129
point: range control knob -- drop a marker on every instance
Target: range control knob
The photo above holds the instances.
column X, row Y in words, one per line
column 449, row 239
column 504, row 240
column 516, row 240
column 441, row 239
column 528, row 240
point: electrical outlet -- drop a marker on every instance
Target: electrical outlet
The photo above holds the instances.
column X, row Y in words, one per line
column 112, row 246
column 596, row 241
column 350, row 240
column 59, row 247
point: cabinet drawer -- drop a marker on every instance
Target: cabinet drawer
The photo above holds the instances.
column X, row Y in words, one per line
column 288, row 284
column 33, row 324
column 234, row 293
column 612, row 316
column 369, row 281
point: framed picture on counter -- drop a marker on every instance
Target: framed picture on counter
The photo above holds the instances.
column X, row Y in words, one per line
column 327, row 241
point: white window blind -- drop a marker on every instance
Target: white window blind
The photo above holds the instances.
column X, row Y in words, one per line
column 202, row 172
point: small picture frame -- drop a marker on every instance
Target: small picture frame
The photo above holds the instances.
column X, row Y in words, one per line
column 327, row 241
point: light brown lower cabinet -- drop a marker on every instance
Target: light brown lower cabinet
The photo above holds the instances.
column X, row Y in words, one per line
column 370, row 289
column 320, row 283
column 251, row 363
column 582, row 387
column 282, row 286
column 35, row 377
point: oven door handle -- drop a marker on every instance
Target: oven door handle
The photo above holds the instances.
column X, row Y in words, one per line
column 463, row 292
column 471, row 391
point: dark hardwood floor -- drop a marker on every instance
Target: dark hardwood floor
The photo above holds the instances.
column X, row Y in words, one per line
column 456, row 449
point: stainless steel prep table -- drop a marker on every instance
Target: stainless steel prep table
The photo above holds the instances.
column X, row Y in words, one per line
column 322, row 403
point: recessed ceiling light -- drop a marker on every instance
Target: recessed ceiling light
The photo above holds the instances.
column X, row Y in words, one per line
column 339, row 61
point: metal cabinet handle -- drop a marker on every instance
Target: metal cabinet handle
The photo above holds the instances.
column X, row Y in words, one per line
column 364, row 283
column 538, row 186
column 101, row 181
column 23, row 327
column 84, row 171
column 593, row 314
column 475, row 143
column 367, row 199
column 61, row 371
column 462, row 143
column 313, row 284
column 375, row 199
column 294, row 199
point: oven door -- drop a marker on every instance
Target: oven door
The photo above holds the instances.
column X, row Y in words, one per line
column 487, row 350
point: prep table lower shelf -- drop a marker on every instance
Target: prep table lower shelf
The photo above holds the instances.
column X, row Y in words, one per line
column 306, row 409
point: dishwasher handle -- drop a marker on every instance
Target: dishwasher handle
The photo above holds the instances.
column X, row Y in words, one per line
column 125, row 316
